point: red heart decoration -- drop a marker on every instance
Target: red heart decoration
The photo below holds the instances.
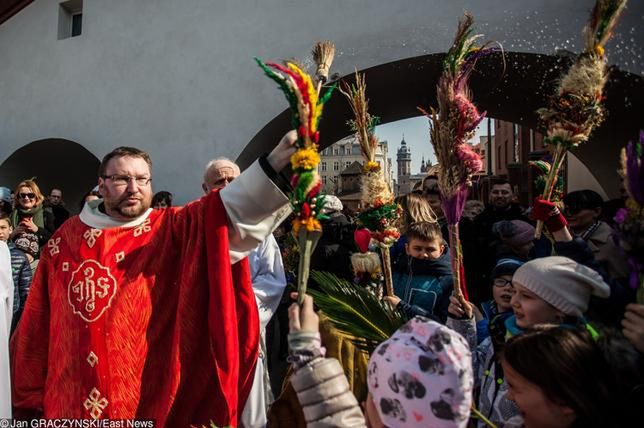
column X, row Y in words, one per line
column 418, row 417
column 362, row 238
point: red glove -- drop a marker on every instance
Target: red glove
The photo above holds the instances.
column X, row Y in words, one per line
column 549, row 213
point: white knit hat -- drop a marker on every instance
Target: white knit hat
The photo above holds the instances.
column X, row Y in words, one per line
column 422, row 377
column 332, row 203
column 562, row 282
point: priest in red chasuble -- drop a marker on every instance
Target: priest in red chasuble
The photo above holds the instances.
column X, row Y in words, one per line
column 148, row 314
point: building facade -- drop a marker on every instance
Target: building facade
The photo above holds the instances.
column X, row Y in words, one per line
column 338, row 157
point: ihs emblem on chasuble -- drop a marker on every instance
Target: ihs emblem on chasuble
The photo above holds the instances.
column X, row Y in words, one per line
column 91, row 290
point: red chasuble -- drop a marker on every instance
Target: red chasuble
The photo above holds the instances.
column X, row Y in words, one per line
column 147, row 322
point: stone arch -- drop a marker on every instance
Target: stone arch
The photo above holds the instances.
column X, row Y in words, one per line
column 510, row 88
column 55, row 162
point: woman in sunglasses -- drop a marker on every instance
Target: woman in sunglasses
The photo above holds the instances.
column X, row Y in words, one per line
column 29, row 217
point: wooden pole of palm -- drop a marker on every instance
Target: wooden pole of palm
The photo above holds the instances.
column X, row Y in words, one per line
column 452, row 125
column 306, row 200
column 379, row 212
column 576, row 108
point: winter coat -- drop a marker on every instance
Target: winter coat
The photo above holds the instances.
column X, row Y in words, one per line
column 489, row 310
column 608, row 311
column 492, row 399
column 325, row 396
column 424, row 286
column 484, row 254
column 60, row 215
column 22, row 274
column 607, row 253
column 333, row 251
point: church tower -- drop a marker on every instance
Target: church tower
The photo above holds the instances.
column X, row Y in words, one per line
column 403, row 157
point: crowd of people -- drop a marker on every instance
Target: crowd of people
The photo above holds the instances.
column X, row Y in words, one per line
column 138, row 308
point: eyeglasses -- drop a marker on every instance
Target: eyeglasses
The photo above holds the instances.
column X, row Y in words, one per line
column 502, row 282
column 124, row 180
column 26, row 195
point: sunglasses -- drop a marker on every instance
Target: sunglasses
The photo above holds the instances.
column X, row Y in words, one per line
column 27, row 195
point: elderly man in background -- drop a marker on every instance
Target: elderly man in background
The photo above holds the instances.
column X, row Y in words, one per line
column 268, row 280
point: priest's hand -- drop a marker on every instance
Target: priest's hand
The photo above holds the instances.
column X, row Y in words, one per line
column 281, row 154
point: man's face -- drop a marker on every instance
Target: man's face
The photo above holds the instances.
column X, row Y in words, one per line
column 5, row 230
column 501, row 196
column 126, row 187
column 219, row 175
column 580, row 219
column 55, row 197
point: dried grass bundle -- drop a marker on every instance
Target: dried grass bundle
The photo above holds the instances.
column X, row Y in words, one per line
column 323, row 53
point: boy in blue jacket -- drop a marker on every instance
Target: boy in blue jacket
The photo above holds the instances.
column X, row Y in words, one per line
column 422, row 277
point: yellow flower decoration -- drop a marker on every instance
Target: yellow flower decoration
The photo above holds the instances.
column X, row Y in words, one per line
column 599, row 50
column 312, row 224
column 306, row 159
column 371, row 166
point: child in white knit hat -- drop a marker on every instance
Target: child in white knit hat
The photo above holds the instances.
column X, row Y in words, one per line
column 549, row 290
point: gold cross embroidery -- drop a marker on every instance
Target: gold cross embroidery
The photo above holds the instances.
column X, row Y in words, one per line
column 95, row 404
column 144, row 227
column 53, row 246
column 90, row 236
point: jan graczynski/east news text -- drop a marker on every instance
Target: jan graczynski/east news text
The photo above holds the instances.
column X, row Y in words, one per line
column 77, row 423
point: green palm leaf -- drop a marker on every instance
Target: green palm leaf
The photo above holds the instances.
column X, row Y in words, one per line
column 354, row 310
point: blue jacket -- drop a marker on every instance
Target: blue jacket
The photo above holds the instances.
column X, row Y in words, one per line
column 22, row 274
column 489, row 310
column 424, row 286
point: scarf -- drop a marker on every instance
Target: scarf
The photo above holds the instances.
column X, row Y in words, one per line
column 36, row 213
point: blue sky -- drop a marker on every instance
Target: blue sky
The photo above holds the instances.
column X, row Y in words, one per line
column 416, row 131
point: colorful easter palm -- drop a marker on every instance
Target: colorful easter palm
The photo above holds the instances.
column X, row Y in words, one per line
column 577, row 107
column 452, row 125
column 306, row 200
column 379, row 212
